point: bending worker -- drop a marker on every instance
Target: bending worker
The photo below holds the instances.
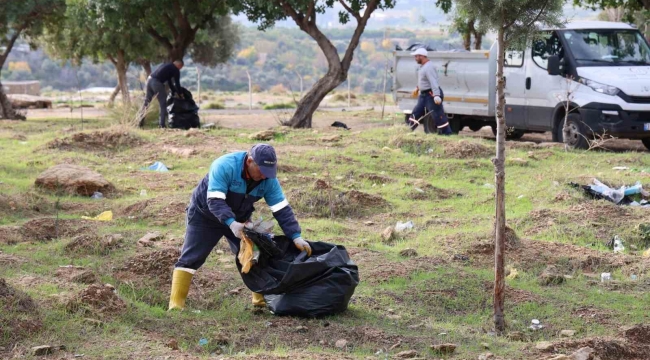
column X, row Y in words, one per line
column 222, row 205
column 167, row 73
column 431, row 95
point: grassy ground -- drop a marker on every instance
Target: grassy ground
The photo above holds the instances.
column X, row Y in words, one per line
column 377, row 177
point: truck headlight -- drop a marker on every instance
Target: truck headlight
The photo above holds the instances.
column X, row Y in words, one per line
column 600, row 88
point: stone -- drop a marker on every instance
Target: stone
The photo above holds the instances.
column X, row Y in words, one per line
column 73, row 180
column 444, row 348
column 545, row 346
column 393, row 316
column 182, row 152
column 585, row 353
column 149, row 238
column 26, row 101
column 486, row 356
column 408, row 253
column 408, row 354
column 388, row 234
column 486, row 346
column 321, row 185
column 173, row 344
column 567, row 333
column 94, row 322
column 85, row 277
column 333, row 138
column 516, row 336
column 46, row 349
column 301, row 329
column 342, row 343
column 550, row 276
column 262, row 135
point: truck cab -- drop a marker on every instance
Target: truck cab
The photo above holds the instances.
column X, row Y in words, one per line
column 603, row 68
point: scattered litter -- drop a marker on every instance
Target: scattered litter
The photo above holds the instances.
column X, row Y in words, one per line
column 203, row 342
column 97, row 195
column 340, row 124
column 620, row 168
column 617, row 244
column 488, row 186
column 429, row 150
column 400, row 226
column 513, row 274
column 23, row 143
column 520, row 197
column 419, row 190
column 621, row 196
column 633, row 277
column 208, row 126
column 105, row 216
column 143, row 193
column 604, row 277
column 158, row 166
column 461, row 257
column 535, row 325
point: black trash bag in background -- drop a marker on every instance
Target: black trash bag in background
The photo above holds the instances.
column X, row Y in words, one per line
column 183, row 113
column 296, row 285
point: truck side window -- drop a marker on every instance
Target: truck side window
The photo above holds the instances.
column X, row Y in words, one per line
column 544, row 45
column 514, row 58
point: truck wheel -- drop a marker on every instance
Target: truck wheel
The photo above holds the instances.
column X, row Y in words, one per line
column 429, row 125
column 577, row 138
column 476, row 126
column 511, row 134
column 646, row 143
column 456, row 125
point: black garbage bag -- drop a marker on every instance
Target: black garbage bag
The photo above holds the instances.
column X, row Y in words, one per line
column 296, row 285
column 183, row 112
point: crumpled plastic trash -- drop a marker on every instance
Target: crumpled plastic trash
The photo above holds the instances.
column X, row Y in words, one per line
column 618, row 244
column 158, row 166
column 605, row 277
column 97, row 195
column 535, row 325
column 203, row 342
column 400, row 226
column 105, row 216
column 513, row 274
column 598, row 190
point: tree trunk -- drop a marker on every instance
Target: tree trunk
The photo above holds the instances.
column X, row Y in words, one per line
column 111, row 100
column 500, row 179
column 478, row 40
column 6, row 110
column 122, row 66
column 467, row 39
column 146, row 65
column 309, row 103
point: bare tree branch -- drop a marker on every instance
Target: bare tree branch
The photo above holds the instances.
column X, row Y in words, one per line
column 538, row 14
column 354, row 41
column 349, row 9
column 112, row 59
column 294, row 15
column 180, row 17
column 170, row 25
column 10, row 45
column 161, row 39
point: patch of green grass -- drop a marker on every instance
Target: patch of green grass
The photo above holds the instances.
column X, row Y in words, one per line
column 214, row 105
column 279, row 106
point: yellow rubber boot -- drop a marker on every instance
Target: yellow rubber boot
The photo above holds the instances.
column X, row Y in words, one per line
column 258, row 300
column 181, row 280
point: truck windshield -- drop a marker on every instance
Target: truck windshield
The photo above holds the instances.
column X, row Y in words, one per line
column 608, row 47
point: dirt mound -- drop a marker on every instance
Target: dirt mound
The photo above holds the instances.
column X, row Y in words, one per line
column 10, row 235
column 76, row 274
column 414, row 145
column 364, row 199
column 375, row 268
column 610, row 348
column 19, row 317
column 101, row 299
column 97, row 141
column 464, row 149
column 318, row 203
column 157, row 264
column 91, row 244
column 162, row 209
column 24, row 205
column 284, row 168
column 73, row 180
column 44, row 229
column 379, row 179
column 7, row 260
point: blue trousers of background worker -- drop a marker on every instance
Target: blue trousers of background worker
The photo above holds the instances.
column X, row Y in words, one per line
column 426, row 104
column 201, row 236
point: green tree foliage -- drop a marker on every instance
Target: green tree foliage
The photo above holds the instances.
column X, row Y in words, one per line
column 25, row 18
column 91, row 29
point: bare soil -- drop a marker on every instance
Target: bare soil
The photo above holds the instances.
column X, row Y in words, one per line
column 19, row 317
column 97, row 141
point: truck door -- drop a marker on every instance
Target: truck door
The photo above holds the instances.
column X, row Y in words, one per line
column 515, row 74
column 541, row 88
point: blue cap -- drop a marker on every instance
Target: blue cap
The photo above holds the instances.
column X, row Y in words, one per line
column 264, row 157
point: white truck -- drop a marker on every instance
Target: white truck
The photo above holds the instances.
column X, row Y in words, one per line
column 610, row 61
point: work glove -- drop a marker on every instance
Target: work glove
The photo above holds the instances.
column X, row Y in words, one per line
column 246, row 254
column 437, row 100
column 236, row 228
column 302, row 245
column 415, row 93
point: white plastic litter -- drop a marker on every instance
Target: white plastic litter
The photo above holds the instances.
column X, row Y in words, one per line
column 400, row 226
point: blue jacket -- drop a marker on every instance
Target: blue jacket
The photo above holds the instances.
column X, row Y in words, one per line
column 222, row 195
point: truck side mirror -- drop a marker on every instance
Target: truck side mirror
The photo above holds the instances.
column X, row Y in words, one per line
column 553, row 65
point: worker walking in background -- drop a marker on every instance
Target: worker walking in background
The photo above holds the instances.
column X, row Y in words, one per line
column 430, row 95
column 166, row 73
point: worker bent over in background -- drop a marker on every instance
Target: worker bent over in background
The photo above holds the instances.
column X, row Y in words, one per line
column 222, row 205
column 167, row 73
column 431, row 95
